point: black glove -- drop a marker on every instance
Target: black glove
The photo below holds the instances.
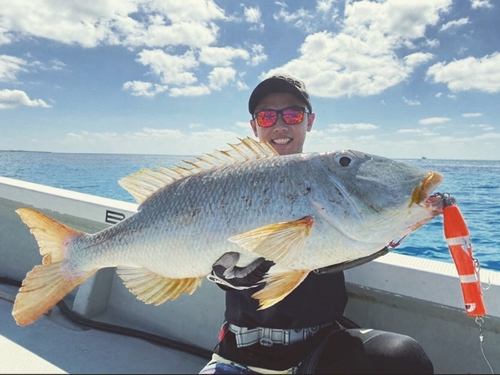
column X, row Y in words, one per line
column 229, row 277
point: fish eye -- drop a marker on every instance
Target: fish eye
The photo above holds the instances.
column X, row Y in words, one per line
column 344, row 159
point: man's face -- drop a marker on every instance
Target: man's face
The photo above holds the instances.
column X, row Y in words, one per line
column 286, row 139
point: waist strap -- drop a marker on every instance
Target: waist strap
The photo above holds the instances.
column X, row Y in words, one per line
column 270, row 336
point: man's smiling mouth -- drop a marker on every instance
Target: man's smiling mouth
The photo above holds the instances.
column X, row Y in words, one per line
column 282, row 141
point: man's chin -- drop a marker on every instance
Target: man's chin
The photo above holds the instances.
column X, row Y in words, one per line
column 285, row 149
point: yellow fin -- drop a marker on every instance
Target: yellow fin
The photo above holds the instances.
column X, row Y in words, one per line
column 45, row 285
column 50, row 235
column 278, row 287
column 282, row 243
column 149, row 287
column 147, row 182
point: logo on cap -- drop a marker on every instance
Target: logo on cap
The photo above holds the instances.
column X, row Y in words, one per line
column 294, row 82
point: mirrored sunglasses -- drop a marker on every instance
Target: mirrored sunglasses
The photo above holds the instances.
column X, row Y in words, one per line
column 290, row 116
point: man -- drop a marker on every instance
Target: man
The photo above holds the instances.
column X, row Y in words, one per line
column 301, row 333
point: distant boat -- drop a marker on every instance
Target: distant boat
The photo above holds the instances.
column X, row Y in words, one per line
column 424, row 158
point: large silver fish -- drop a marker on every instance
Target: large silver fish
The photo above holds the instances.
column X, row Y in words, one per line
column 302, row 211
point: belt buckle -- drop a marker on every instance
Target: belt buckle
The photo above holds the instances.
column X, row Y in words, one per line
column 266, row 341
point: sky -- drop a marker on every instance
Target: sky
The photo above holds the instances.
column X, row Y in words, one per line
column 396, row 78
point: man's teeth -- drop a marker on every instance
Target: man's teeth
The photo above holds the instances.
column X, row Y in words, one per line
column 282, row 141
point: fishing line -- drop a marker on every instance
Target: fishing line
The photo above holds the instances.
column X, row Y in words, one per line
column 479, row 319
column 480, row 322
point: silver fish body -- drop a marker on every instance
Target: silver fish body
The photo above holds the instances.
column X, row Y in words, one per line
column 303, row 211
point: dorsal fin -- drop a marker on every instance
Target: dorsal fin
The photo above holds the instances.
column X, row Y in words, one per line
column 147, row 182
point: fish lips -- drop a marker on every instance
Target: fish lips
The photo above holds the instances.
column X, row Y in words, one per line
column 422, row 193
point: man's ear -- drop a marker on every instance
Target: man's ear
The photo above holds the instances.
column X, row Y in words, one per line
column 254, row 125
column 310, row 121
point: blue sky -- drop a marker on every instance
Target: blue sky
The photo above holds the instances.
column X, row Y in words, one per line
column 396, row 78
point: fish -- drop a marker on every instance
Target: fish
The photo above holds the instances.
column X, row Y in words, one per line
column 302, row 211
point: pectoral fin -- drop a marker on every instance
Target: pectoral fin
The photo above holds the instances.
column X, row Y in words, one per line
column 282, row 243
column 278, row 287
column 153, row 288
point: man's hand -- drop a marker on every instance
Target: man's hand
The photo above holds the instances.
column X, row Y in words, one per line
column 228, row 276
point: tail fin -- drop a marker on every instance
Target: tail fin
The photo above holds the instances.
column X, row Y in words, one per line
column 45, row 285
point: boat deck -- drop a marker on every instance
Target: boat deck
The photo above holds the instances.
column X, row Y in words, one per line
column 54, row 344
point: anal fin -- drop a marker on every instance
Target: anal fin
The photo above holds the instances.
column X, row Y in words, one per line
column 150, row 287
column 278, row 287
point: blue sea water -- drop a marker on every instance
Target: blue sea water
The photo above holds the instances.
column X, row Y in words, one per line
column 475, row 184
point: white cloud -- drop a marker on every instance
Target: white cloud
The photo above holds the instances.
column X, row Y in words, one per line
column 351, row 127
column 362, row 58
column 309, row 21
column 481, row 4
column 159, row 34
column 476, row 114
column 56, row 64
column 222, row 56
column 15, row 98
column 432, row 43
column 179, row 70
column 258, row 56
column 412, row 131
column 454, row 24
column 221, row 77
column 252, row 15
column 10, row 66
column 411, row 102
column 398, row 19
column 301, row 18
column 241, row 85
column 147, row 89
column 364, row 138
column 243, row 125
column 66, row 23
column 417, row 58
column 483, row 127
column 324, row 6
column 434, row 120
column 113, row 22
column 192, row 10
column 190, row 91
column 171, row 69
column 470, row 73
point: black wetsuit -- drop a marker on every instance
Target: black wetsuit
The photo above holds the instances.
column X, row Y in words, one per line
column 319, row 299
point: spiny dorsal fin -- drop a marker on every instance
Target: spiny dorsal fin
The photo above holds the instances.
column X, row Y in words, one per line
column 147, row 182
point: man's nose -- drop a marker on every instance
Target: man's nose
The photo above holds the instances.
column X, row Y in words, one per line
column 280, row 124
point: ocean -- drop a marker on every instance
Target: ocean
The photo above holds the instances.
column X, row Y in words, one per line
column 474, row 183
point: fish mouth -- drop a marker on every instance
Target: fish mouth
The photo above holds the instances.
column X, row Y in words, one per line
column 433, row 204
column 421, row 194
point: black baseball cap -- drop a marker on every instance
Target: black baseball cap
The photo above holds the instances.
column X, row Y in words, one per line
column 279, row 83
